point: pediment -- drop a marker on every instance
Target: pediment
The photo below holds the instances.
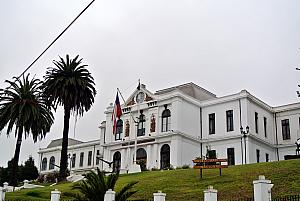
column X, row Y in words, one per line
column 141, row 94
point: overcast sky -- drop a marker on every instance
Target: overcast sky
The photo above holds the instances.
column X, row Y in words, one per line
column 223, row 46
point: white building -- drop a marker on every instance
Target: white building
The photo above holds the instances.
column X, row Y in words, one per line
column 173, row 126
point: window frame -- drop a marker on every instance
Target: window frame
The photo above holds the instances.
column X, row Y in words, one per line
column 73, row 161
column 119, row 129
column 229, row 120
column 256, row 122
column 81, row 159
column 285, row 129
column 265, row 127
column 51, row 163
column 90, row 155
column 166, row 120
column 141, row 125
column 212, row 123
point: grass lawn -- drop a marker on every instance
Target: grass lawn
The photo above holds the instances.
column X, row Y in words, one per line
column 185, row 184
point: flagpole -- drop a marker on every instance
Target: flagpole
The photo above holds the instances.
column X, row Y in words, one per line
column 126, row 105
column 137, row 127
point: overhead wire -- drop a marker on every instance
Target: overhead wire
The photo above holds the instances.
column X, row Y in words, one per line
column 17, row 78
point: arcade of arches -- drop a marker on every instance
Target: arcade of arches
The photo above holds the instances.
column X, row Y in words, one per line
column 141, row 158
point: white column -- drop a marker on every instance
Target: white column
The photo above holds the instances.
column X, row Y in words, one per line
column 109, row 195
column 210, row 194
column 155, row 156
column 262, row 189
column 159, row 196
column 2, row 194
column 149, row 157
column 55, row 195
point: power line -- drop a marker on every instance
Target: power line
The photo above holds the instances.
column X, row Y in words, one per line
column 54, row 40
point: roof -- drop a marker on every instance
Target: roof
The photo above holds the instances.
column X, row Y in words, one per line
column 190, row 89
column 58, row 142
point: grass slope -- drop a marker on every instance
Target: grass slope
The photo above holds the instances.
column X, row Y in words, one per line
column 185, row 184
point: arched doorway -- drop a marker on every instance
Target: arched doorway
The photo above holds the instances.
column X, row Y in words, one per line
column 141, row 158
column 165, row 157
column 117, row 161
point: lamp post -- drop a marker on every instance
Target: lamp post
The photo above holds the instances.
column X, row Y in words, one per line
column 244, row 135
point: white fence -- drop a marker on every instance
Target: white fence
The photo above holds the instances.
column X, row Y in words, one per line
column 262, row 192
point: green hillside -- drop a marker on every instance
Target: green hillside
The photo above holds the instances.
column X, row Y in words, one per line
column 185, row 184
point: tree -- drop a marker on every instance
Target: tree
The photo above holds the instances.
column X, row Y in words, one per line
column 69, row 84
column 29, row 171
column 23, row 107
column 95, row 185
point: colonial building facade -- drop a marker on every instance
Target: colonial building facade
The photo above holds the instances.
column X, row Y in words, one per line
column 173, row 126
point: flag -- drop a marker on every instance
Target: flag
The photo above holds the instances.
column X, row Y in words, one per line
column 117, row 113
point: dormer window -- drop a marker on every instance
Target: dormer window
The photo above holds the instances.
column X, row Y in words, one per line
column 119, row 129
column 166, row 120
column 141, row 125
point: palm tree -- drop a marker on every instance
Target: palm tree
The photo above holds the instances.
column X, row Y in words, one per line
column 23, row 107
column 69, row 84
column 95, row 185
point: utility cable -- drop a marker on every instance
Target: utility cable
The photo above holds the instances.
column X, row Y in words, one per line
column 54, row 40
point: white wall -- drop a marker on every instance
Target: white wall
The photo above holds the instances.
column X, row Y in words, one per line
column 220, row 119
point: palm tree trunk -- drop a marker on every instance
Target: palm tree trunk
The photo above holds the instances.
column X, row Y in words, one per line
column 64, row 147
column 13, row 176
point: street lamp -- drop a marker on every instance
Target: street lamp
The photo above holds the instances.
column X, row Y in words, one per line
column 244, row 135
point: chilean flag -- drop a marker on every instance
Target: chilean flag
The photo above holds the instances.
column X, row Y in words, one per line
column 117, row 113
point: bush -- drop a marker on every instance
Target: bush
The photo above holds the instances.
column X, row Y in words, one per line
column 155, row 169
column 185, row 166
column 34, row 193
column 142, row 163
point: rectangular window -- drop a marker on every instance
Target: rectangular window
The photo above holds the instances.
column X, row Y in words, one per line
column 230, row 156
column 81, row 159
column 265, row 127
column 212, row 121
column 73, row 160
column 285, row 129
column 97, row 157
column 166, row 124
column 90, row 158
column 257, row 155
column 211, row 154
column 256, row 122
column 267, row 157
column 229, row 120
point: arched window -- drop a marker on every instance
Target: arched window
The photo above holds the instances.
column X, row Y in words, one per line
column 141, row 158
column 51, row 163
column 165, row 157
column 141, row 125
column 117, row 161
column 44, row 164
column 166, row 120
column 119, row 129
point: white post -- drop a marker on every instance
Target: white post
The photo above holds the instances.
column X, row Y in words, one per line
column 55, row 195
column 110, row 195
column 159, row 196
column 210, row 194
column 5, row 185
column 26, row 182
column 2, row 194
column 262, row 189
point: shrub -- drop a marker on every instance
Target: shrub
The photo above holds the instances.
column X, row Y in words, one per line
column 34, row 193
column 185, row 166
column 155, row 169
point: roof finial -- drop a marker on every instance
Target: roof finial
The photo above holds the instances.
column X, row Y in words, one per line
column 139, row 86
